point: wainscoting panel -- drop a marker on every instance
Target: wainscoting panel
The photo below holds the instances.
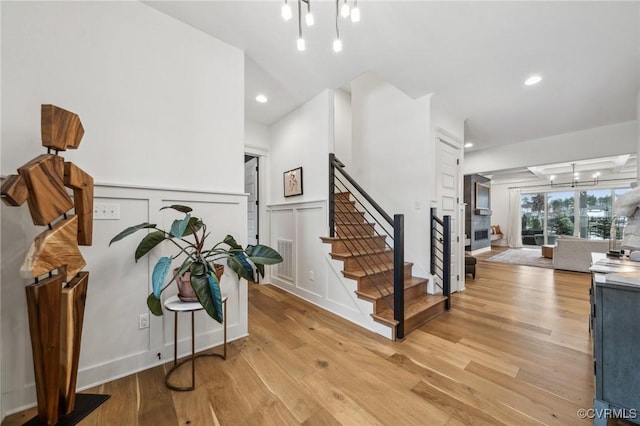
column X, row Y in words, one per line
column 118, row 287
column 310, row 225
column 283, row 233
column 112, row 344
column 285, row 269
column 316, row 277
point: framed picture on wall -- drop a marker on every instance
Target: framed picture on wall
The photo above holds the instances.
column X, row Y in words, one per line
column 293, row 182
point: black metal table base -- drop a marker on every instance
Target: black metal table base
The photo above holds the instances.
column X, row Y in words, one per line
column 85, row 404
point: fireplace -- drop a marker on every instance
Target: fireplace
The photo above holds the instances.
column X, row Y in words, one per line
column 482, row 234
column 477, row 220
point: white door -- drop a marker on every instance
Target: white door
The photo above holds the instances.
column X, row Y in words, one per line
column 251, row 188
column 448, row 158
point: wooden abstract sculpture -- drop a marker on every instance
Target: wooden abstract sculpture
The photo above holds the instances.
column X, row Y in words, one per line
column 56, row 300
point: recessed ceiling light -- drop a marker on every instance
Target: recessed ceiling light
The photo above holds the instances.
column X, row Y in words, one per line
column 534, row 79
column 468, row 144
column 261, row 98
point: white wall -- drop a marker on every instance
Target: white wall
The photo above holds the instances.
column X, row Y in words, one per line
column 302, row 139
column 443, row 118
column 256, row 137
column 145, row 85
column 500, row 209
column 605, row 141
column 342, row 129
column 162, row 106
column 392, row 141
column 257, row 142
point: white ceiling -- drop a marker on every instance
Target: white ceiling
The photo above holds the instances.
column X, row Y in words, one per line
column 473, row 56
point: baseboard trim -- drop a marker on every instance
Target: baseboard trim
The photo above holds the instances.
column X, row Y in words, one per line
column 99, row 374
column 478, row 251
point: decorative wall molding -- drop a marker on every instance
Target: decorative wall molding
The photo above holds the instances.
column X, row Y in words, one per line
column 112, row 344
column 316, row 277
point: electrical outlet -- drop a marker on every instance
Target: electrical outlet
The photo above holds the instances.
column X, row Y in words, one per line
column 106, row 211
column 143, row 321
column 312, row 276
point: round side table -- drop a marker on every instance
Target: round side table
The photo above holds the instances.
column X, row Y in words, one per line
column 176, row 305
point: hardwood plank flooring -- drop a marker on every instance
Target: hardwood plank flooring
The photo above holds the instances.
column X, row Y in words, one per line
column 514, row 349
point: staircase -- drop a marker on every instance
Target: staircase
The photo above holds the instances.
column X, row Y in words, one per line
column 368, row 259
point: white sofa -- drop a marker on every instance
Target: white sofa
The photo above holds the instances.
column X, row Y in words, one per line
column 574, row 254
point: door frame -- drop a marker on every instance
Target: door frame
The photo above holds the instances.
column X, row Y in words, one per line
column 257, row 186
column 264, row 230
column 443, row 136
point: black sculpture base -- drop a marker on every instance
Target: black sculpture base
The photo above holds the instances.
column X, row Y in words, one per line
column 85, row 404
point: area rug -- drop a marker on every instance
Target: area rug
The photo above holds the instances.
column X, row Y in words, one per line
column 523, row 256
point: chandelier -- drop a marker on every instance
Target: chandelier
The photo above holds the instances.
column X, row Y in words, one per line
column 575, row 179
column 343, row 9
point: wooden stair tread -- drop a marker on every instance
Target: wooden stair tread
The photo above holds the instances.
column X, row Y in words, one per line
column 346, row 207
column 372, row 294
column 411, row 309
column 384, row 267
column 371, row 251
column 351, row 222
column 330, row 240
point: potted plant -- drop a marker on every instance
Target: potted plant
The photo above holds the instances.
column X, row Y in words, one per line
column 189, row 236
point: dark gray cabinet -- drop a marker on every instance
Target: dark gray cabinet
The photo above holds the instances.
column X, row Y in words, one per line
column 615, row 315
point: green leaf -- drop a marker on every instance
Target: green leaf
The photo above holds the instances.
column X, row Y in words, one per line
column 154, row 305
column 178, row 207
column 260, row 269
column 130, row 230
column 186, row 265
column 203, row 289
column 232, row 242
column 263, row 255
column 194, row 222
column 214, row 286
column 178, row 226
column 159, row 274
column 148, row 243
column 239, row 264
column 198, row 268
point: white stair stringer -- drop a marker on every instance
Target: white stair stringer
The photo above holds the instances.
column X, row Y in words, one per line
column 341, row 292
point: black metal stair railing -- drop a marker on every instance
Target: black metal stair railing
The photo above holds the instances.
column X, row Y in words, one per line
column 370, row 255
column 441, row 254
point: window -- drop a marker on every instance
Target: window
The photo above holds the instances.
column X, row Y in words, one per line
column 560, row 212
column 587, row 214
column 595, row 214
column 533, row 217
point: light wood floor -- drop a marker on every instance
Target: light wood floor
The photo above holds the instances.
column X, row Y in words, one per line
column 515, row 349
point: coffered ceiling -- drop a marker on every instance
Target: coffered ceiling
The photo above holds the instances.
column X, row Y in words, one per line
column 608, row 168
